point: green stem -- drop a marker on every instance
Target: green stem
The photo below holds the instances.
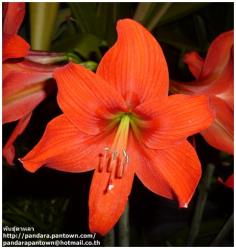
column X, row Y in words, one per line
column 42, row 22
column 123, row 228
column 228, row 226
column 200, row 206
column 109, row 239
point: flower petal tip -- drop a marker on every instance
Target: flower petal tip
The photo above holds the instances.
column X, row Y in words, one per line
column 185, row 205
column 99, row 230
column 8, row 153
column 28, row 165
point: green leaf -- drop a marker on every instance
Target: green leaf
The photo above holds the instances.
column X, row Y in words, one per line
column 100, row 19
column 84, row 44
column 63, row 23
column 180, row 10
column 174, row 36
column 201, row 32
column 85, row 14
column 152, row 15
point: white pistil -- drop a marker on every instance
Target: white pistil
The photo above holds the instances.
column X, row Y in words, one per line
column 110, row 187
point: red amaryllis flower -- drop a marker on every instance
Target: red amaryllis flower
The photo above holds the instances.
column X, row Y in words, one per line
column 13, row 45
column 25, row 83
column 214, row 78
column 120, row 121
column 229, row 182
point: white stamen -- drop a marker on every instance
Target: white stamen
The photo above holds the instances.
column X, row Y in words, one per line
column 125, row 156
column 114, row 155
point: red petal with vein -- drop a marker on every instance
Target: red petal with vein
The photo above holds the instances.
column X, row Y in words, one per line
column 221, row 134
column 63, row 147
column 173, row 119
column 14, row 47
column 219, row 53
column 86, row 99
column 9, row 150
column 194, row 62
column 106, row 207
column 214, row 84
column 13, row 14
column 135, row 65
column 25, row 85
column 173, row 173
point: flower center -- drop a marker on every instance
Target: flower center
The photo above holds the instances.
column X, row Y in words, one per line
column 115, row 158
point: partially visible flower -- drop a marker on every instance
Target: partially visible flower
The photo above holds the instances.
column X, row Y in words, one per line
column 25, row 85
column 25, row 82
column 214, row 78
column 229, row 183
column 120, row 121
column 13, row 45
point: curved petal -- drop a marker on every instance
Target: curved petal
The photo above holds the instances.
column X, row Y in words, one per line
column 63, row 147
column 8, row 150
column 106, row 206
column 173, row 173
column 219, row 53
column 86, row 99
column 14, row 47
column 13, row 14
column 25, row 85
column 221, row 86
column 135, row 65
column 230, row 182
column 173, row 119
column 221, row 133
column 217, row 72
column 194, row 62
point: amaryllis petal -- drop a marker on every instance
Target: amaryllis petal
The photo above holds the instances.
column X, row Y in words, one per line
column 8, row 149
column 216, row 81
column 221, row 134
column 194, row 62
column 85, row 98
column 25, row 85
column 13, row 14
column 135, row 65
column 14, row 47
column 65, row 148
column 219, row 54
column 220, row 85
column 172, row 173
column 229, row 182
column 107, row 200
column 173, row 119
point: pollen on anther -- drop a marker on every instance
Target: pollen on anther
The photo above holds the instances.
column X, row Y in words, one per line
column 126, row 156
